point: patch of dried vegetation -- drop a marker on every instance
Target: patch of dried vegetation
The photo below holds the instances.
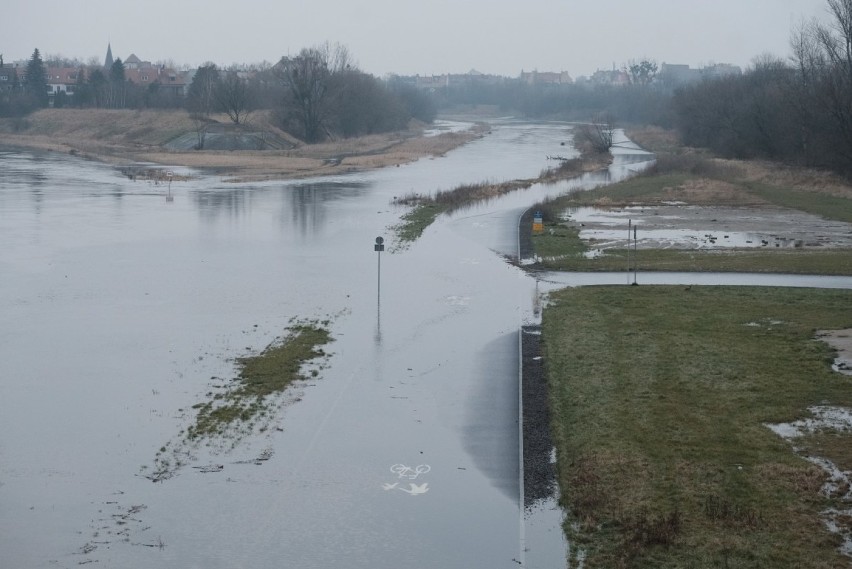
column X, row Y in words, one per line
column 128, row 136
column 804, row 179
column 708, row 191
column 673, row 155
column 654, row 138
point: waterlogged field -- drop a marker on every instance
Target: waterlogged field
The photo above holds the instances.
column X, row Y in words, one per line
column 665, row 403
column 692, row 212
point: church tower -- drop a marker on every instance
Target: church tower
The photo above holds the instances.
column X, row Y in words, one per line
column 108, row 61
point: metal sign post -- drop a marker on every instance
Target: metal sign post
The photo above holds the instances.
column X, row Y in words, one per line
column 378, row 248
column 629, row 227
column 169, row 197
column 635, row 255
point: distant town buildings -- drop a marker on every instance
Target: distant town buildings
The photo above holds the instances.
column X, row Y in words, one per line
column 616, row 77
column 169, row 81
column 62, row 80
column 145, row 73
column 108, row 60
column 668, row 76
column 66, row 80
column 676, row 75
column 435, row 82
column 9, row 78
column 545, row 78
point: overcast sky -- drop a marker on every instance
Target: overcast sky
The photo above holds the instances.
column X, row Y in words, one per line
column 412, row 37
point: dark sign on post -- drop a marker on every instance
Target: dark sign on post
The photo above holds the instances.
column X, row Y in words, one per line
column 378, row 248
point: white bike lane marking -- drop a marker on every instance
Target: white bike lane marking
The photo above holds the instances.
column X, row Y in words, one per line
column 408, row 473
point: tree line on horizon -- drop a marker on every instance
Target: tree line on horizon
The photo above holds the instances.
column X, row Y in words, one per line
column 317, row 95
column 797, row 111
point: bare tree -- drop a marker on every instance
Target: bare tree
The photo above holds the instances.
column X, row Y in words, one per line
column 199, row 123
column 823, row 57
column 306, row 78
column 234, row 97
column 840, row 45
column 598, row 135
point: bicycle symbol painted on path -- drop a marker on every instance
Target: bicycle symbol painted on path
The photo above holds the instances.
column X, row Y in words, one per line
column 407, row 472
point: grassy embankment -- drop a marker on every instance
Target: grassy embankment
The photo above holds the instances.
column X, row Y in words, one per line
column 427, row 208
column 249, row 402
column 694, row 178
column 131, row 136
column 660, row 396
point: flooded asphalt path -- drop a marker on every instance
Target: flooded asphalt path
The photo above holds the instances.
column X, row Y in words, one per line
column 117, row 308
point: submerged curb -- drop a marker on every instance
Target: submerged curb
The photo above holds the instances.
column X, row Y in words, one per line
column 539, row 474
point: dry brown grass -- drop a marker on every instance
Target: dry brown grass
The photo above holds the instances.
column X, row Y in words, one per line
column 127, row 136
column 806, row 481
column 805, row 179
column 106, row 125
column 667, row 145
column 706, row 191
column 654, row 138
column 591, row 485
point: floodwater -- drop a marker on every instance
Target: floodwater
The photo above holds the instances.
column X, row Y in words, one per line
column 118, row 309
column 695, row 227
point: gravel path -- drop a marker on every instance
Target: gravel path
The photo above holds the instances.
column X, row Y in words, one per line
column 539, row 467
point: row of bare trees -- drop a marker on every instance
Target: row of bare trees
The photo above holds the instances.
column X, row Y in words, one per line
column 318, row 94
column 326, row 95
column 796, row 111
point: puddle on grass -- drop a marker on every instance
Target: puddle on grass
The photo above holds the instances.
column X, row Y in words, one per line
column 675, row 226
column 839, row 482
column 841, row 341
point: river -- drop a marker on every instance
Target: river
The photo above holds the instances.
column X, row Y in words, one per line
column 120, row 308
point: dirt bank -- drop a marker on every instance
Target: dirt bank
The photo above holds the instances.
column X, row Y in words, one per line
column 124, row 137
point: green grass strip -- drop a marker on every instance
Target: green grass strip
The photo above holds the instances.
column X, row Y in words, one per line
column 415, row 222
column 262, row 376
column 660, row 396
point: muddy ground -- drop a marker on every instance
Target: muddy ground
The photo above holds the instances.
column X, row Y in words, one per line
column 678, row 226
column 841, row 341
